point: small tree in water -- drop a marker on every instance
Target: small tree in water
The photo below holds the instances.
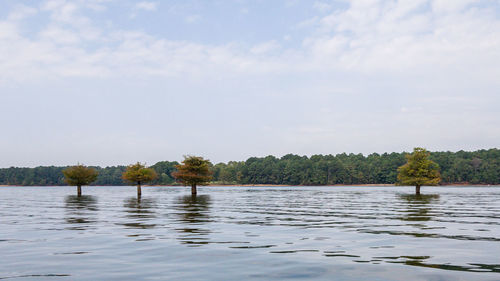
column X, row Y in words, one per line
column 138, row 173
column 79, row 175
column 193, row 171
column 419, row 170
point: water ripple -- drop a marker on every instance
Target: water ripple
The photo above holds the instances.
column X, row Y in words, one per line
column 250, row 233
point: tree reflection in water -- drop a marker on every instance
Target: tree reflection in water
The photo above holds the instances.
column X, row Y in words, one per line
column 418, row 206
column 80, row 211
column 193, row 213
column 141, row 211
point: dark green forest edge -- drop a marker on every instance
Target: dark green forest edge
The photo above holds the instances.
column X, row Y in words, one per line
column 462, row 167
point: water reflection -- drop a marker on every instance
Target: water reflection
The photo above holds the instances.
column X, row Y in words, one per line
column 276, row 233
column 421, row 261
column 193, row 214
column 420, row 198
column 80, row 210
column 418, row 206
column 141, row 210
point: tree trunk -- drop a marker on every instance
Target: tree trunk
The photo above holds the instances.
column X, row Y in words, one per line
column 193, row 189
column 139, row 192
column 417, row 190
column 79, row 190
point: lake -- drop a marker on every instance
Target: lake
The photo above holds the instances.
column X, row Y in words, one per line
column 250, row 233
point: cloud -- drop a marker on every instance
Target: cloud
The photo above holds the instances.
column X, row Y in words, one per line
column 412, row 71
column 322, row 6
column 147, row 6
column 59, row 35
column 96, row 5
column 366, row 37
column 451, row 6
column 405, row 35
column 265, row 47
column 21, row 12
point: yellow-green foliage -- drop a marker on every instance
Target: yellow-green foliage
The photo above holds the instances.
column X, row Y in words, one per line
column 138, row 173
column 79, row 175
column 419, row 170
column 193, row 171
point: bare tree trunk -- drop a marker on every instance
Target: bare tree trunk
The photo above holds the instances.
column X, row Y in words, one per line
column 193, row 189
column 417, row 190
column 79, row 190
column 139, row 191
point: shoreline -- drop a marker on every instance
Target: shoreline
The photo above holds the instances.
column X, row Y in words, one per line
column 276, row 185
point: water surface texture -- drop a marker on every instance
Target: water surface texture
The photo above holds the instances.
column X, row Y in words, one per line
column 250, row 233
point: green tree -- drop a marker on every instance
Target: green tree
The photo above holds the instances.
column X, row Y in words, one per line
column 138, row 173
column 475, row 167
column 193, row 171
column 419, row 170
column 79, row 175
column 164, row 170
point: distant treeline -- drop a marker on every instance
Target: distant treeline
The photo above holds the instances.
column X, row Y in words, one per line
column 478, row 167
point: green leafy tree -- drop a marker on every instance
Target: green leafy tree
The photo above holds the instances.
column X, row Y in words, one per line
column 79, row 175
column 193, row 171
column 139, row 174
column 419, row 170
column 473, row 167
column 164, row 170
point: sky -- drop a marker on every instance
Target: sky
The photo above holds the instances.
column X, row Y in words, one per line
column 104, row 82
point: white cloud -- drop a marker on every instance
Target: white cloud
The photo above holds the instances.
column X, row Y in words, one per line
column 58, row 35
column 322, row 6
column 96, row 5
column 265, row 47
column 397, row 64
column 21, row 12
column 61, row 10
column 451, row 6
column 396, row 35
column 367, row 37
column 147, row 6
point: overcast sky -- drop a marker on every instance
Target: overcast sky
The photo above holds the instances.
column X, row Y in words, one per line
column 115, row 82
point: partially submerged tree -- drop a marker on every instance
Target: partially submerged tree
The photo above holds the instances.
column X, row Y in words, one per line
column 419, row 170
column 138, row 174
column 79, row 175
column 193, row 171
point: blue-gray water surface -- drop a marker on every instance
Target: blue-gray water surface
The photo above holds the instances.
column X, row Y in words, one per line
column 250, row 233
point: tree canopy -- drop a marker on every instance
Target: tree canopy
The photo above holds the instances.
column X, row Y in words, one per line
column 464, row 167
column 138, row 173
column 194, row 171
column 79, row 175
column 419, row 170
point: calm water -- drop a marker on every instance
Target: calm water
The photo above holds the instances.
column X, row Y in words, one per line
column 257, row 233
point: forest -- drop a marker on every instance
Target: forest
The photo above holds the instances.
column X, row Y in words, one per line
column 462, row 167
